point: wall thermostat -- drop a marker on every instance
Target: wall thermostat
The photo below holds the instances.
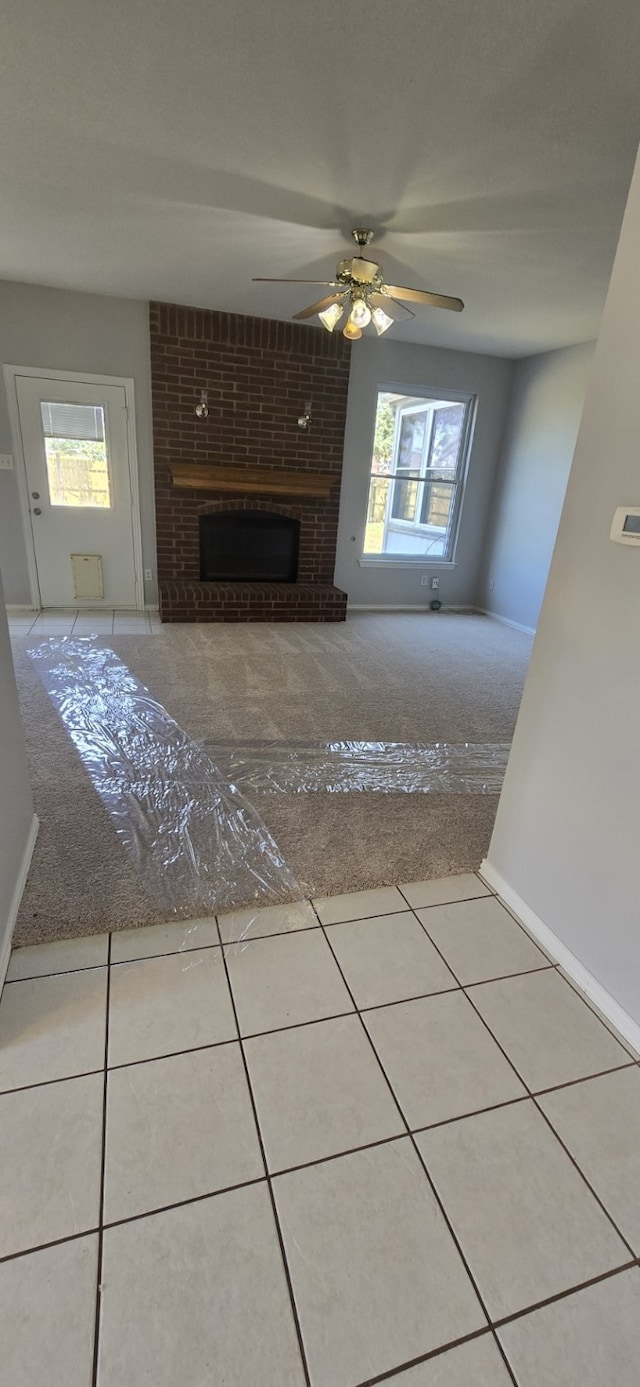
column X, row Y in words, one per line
column 626, row 525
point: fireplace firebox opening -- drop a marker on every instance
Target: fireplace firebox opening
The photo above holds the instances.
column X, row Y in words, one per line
column 248, row 546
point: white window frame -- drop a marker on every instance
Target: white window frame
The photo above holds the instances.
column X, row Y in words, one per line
column 428, row 399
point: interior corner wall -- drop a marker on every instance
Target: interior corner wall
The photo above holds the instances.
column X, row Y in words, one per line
column 16, row 808
column 565, row 841
column 542, row 425
column 383, row 363
column 63, row 330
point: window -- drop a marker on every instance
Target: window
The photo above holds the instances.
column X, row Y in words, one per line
column 417, row 476
column 76, row 453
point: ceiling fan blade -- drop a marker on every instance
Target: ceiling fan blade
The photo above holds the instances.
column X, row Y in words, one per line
column 262, row 279
column 389, row 305
column 424, row 296
column 318, row 307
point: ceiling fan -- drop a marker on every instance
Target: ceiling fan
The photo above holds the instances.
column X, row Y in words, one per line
column 362, row 293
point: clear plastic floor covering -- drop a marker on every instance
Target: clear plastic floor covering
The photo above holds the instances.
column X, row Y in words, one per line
column 180, row 807
column 375, row 767
column 194, row 839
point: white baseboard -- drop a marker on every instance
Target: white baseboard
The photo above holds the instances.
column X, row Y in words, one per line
column 506, row 621
column 405, row 607
column 583, row 979
column 15, row 607
column 10, row 922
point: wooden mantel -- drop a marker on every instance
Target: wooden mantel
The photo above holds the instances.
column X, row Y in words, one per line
column 273, row 481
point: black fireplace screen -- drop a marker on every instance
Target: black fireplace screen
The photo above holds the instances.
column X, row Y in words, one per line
column 248, row 546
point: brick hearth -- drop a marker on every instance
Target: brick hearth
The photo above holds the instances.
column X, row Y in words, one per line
column 258, row 373
column 251, row 602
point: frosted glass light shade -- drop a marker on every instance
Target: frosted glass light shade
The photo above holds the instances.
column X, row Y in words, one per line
column 381, row 320
column 360, row 313
column 331, row 316
column 351, row 330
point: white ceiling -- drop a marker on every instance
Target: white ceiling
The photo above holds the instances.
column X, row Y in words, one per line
column 173, row 148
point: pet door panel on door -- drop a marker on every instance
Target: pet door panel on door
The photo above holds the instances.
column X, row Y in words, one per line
column 76, row 453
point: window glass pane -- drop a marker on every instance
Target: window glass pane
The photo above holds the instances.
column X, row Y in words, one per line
column 417, row 465
column 445, row 439
column 76, row 453
column 437, row 504
column 384, row 434
column 376, row 515
column 405, row 498
column 63, row 420
column 413, row 428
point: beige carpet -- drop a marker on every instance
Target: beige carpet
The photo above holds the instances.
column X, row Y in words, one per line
column 421, row 678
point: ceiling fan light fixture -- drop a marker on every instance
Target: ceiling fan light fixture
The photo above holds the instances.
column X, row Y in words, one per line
column 381, row 321
column 360, row 314
column 330, row 317
column 360, row 289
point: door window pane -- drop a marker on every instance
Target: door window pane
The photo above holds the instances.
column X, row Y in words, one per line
column 76, row 453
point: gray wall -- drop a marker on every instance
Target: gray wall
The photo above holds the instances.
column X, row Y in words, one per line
column 566, row 834
column 546, row 404
column 376, row 364
column 66, row 331
column 16, row 809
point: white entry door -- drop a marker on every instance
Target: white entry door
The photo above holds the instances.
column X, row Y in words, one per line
column 77, row 464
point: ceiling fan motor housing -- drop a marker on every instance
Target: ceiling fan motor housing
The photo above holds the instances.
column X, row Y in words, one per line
column 358, row 271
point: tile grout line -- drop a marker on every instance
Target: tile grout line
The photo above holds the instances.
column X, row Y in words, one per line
column 184, row 1203
column 63, row 973
column 409, row 1134
column 47, row 1083
column 284, row 1170
column 533, row 1098
column 257, row 1035
column 626, row 1045
column 582, row 995
column 291, row 1170
column 564, row 1295
column 495, row 1337
column 439, row 905
column 274, row 1209
column 54, row 1242
column 490, row 1328
column 250, row 939
column 392, row 1373
column 96, row 1335
column 423, row 1162
column 494, row 897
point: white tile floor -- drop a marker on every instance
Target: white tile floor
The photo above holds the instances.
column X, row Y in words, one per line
column 84, row 622
column 330, row 1144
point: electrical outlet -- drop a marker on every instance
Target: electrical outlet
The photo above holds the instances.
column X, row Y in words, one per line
column 491, row 584
column 6, row 462
column 148, row 575
column 424, row 581
column 435, row 584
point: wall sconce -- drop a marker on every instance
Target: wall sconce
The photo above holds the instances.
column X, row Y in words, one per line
column 304, row 420
column 202, row 409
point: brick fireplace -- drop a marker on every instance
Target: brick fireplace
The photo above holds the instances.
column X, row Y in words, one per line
column 249, row 455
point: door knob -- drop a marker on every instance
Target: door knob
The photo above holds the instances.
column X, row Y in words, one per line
column 37, row 510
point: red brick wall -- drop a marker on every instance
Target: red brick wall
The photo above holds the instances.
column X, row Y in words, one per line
column 258, row 373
